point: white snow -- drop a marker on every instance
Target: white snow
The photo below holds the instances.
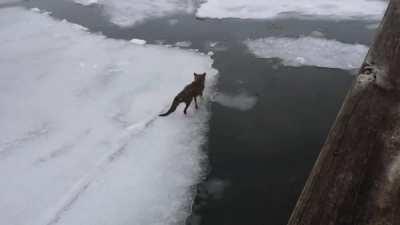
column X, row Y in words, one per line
column 131, row 12
column 80, row 139
column 310, row 51
column 321, row 9
column 138, row 41
column 241, row 101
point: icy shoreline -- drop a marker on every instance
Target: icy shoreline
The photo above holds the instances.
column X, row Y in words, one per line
column 81, row 142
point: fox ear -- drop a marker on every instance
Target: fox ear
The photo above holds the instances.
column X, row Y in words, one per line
column 204, row 74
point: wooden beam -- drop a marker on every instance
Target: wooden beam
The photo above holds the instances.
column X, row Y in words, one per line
column 356, row 179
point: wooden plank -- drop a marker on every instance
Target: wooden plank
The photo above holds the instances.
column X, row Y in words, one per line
column 356, row 179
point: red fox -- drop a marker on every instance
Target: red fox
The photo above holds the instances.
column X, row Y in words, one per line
column 190, row 92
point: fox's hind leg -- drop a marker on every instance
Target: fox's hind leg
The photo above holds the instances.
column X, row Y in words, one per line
column 187, row 105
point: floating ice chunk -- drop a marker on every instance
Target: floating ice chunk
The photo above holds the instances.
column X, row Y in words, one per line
column 213, row 44
column 213, row 188
column 321, row 9
column 80, row 139
column 216, row 187
column 216, row 46
column 372, row 26
column 300, row 60
column 131, row 12
column 183, row 44
column 241, row 102
column 309, row 51
column 46, row 13
column 173, row 22
column 138, row 41
column 159, row 42
column 79, row 27
column 86, row 2
column 317, row 34
column 35, row 9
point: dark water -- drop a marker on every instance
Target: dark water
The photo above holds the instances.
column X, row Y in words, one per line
column 259, row 159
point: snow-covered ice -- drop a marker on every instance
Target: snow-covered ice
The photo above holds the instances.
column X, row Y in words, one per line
column 311, row 51
column 241, row 101
column 183, row 44
column 138, row 41
column 321, row 9
column 81, row 142
column 131, row 12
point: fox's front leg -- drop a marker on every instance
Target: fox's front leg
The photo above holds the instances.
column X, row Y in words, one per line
column 195, row 102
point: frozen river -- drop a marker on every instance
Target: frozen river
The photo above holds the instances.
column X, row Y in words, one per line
column 81, row 142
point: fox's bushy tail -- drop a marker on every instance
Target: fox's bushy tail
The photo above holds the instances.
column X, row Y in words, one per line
column 174, row 105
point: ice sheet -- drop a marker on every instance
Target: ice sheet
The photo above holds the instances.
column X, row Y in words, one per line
column 131, row 12
column 321, row 9
column 310, row 51
column 81, row 142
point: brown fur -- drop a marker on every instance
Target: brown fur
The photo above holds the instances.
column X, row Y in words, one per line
column 190, row 92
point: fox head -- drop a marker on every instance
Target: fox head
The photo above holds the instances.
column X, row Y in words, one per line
column 199, row 77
